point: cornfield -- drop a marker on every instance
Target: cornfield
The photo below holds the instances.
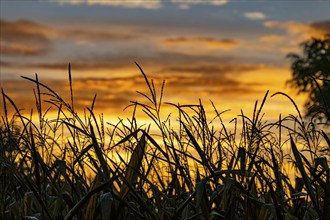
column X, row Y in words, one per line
column 76, row 166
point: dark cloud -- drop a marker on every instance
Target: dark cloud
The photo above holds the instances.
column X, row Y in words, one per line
column 220, row 68
column 166, row 62
column 88, row 35
column 5, row 63
column 24, row 38
column 163, row 62
column 211, row 85
column 28, row 38
column 322, row 26
column 79, row 65
column 210, row 42
column 22, row 27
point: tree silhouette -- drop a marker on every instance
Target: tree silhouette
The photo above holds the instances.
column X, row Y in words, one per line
column 311, row 75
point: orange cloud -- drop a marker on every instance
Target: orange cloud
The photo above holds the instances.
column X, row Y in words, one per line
column 302, row 30
column 24, row 27
column 209, row 42
column 272, row 42
column 20, row 49
column 295, row 34
column 21, row 91
column 213, row 69
column 272, row 38
column 116, row 93
column 292, row 27
column 222, row 83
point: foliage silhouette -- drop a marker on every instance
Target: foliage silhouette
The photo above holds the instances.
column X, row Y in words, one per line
column 311, row 75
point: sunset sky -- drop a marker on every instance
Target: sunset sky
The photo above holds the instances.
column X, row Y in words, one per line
column 230, row 52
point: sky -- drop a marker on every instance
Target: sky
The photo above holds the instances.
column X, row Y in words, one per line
column 230, row 52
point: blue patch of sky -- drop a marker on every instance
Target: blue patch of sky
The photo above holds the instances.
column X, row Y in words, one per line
column 169, row 14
